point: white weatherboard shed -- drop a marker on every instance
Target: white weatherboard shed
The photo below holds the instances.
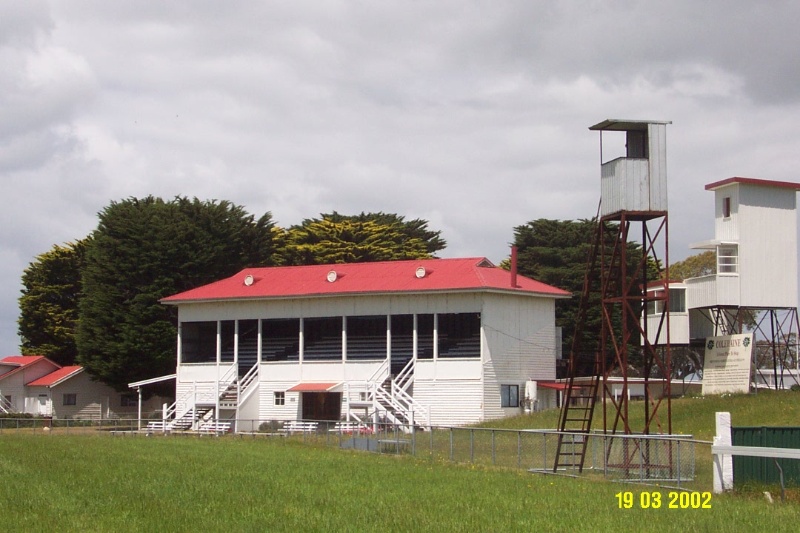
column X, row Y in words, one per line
column 33, row 384
column 755, row 242
column 424, row 342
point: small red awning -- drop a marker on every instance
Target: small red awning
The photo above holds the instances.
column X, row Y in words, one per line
column 314, row 387
column 551, row 385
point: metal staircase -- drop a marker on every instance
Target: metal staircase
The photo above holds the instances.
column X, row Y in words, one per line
column 389, row 399
column 198, row 409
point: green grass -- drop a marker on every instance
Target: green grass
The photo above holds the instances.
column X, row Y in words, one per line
column 58, row 482
column 691, row 415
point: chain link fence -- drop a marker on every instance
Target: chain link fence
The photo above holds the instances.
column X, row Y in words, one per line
column 632, row 458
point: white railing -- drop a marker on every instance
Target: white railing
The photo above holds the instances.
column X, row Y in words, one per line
column 384, row 403
column 411, row 406
column 381, row 373
column 406, row 376
column 227, row 380
column 245, row 384
column 5, row 405
column 169, row 411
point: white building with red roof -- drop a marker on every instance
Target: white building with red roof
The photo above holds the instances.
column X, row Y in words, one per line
column 33, row 384
column 424, row 342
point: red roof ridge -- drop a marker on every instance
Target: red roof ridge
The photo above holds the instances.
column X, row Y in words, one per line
column 381, row 277
column 56, row 377
column 753, row 181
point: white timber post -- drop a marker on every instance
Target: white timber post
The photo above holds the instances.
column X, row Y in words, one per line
column 723, row 464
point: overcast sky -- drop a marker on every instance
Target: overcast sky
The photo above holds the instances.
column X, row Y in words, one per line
column 472, row 115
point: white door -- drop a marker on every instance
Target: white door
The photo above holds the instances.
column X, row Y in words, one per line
column 43, row 405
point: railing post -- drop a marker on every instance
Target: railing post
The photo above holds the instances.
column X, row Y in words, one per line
column 723, row 464
column 451, row 443
column 472, row 445
column 493, row 456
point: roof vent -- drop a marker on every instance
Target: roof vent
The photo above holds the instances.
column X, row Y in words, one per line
column 248, row 280
column 421, row 272
column 332, row 275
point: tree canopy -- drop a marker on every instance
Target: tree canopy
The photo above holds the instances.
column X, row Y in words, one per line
column 146, row 249
column 694, row 266
column 556, row 252
column 49, row 303
column 336, row 238
column 96, row 302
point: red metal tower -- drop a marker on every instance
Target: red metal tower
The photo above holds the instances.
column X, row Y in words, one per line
column 608, row 366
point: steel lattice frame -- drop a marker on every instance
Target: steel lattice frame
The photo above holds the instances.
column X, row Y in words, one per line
column 623, row 288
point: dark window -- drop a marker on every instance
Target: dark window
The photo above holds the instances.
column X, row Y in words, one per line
column 728, row 259
column 366, row 337
column 227, row 340
column 322, row 339
column 509, row 395
column 198, row 342
column 459, row 335
column 280, row 398
column 280, row 339
column 726, row 207
column 424, row 336
column 70, row 399
column 402, row 341
column 248, row 344
column 677, row 300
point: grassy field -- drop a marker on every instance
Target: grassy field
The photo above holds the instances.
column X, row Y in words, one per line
column 98, row 482
column 692, row 415
column 104, row 483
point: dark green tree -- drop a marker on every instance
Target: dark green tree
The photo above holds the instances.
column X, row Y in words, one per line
column 336, row 238
column 146, row 249
column 49, row 303
column 556, row 252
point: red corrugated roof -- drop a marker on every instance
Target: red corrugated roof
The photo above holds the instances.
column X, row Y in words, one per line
column 754, row 181
column 56, row 377
column 21, row 360
column 443, row 275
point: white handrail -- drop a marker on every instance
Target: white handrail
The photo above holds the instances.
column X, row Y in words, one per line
column 404, row 377
column 412, row 404
column 245, row 389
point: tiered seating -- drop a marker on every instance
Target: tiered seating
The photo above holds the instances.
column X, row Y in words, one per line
column 326, row 349
column 280, row 348
column 371, row 347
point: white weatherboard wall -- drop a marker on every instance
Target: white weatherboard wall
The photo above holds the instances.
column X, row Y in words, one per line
column 767, row 246
column 520, row 339
column 517, row 344
column 14, row 384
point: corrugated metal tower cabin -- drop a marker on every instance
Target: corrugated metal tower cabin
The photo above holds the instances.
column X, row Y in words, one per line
column 754, row 286
column 633, row 209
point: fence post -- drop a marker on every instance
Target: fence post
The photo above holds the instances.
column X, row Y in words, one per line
column 723, row 464
column 451, row 443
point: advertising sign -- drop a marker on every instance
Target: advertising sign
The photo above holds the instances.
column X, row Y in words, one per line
column 727, row 364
